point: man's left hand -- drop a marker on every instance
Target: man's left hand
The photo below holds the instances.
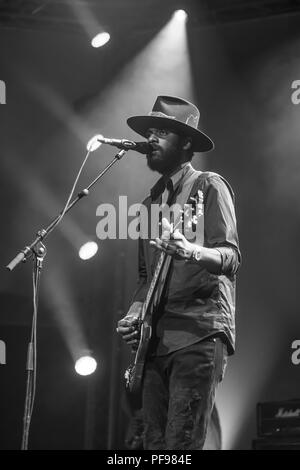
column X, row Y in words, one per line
column 174, row 244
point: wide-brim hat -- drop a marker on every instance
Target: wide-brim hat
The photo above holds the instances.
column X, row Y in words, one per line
column 177, row 115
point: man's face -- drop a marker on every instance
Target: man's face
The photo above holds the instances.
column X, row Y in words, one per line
column 167, row 150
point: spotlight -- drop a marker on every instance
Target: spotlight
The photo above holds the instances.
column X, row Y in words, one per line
column 180, row 15
column 88, row 250
column 94, row 143
column 85, row 365
column 100, row 39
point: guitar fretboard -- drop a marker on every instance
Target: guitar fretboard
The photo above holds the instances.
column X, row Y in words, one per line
column 155, row 277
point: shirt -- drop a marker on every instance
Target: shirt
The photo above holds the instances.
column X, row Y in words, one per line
column 196, row 303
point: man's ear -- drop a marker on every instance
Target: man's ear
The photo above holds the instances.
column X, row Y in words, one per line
column 187, row 143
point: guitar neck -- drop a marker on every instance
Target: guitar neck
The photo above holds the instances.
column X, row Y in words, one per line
column 160, row 263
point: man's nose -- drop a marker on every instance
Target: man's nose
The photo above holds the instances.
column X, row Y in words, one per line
column 152, row 137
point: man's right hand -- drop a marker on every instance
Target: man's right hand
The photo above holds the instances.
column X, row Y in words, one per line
column 129, row 326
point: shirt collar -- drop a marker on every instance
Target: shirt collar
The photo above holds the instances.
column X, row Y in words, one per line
column 176, row 177
column 178, row 174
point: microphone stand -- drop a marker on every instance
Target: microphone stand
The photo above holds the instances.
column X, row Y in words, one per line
column 38, row 250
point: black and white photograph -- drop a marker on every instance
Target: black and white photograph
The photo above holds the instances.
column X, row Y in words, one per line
column 149, row 259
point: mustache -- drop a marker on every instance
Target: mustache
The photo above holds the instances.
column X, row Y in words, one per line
column 154, row 146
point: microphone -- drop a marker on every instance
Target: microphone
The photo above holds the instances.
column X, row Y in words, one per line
column 124, row 144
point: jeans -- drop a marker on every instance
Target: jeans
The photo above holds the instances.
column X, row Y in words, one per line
column 178, row 395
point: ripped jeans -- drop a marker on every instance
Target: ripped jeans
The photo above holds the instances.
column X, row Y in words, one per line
column 178, row 395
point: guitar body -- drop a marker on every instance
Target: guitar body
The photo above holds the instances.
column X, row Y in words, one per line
column 136, row 370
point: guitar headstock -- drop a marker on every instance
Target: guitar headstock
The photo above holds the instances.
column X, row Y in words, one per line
column 188, row 217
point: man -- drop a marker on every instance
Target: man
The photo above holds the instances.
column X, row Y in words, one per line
column 193, row 324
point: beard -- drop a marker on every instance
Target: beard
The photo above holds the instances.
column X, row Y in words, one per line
column 164, row 161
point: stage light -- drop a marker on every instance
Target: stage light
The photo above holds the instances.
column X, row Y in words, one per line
column 85, row 365
column 180, row 15
column 94, row 143
column 100, row 39
column 88, row 250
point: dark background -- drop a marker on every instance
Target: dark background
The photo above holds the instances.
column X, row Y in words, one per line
column 59, row 92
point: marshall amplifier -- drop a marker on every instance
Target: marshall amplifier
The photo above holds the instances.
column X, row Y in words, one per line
column 278, row 418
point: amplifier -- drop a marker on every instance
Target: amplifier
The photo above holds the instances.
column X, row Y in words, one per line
column 278, row 418
column 278, row 443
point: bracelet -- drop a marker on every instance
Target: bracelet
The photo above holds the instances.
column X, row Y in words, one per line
column 196, row 255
